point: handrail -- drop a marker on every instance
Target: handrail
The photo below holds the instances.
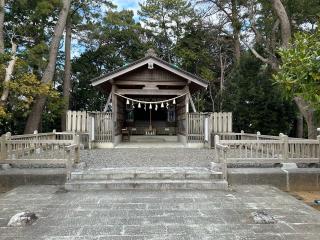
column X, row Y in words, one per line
column 221, row 154
column 40, row 148
column 281, row 150
column 69, row 150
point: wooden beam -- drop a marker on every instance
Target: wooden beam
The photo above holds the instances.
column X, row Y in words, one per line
column 157, row 83
column 149, row 92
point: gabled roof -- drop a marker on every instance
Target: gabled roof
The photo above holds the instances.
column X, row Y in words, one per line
column 146, row 60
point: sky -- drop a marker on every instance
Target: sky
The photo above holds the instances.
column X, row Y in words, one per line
column 128, row 5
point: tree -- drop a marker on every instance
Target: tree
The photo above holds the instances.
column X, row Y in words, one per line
column 21, row 21
column 2, row 5
column 204, row 51
column 34, row 118
column 229, row 19
column 166, row 19
column 273, row 60
column 117, row 40
column 257, row 104
column 299, row 75
column 83, row 15
column 67, row 73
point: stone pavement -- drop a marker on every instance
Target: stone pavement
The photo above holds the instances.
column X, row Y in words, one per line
column 157, row 214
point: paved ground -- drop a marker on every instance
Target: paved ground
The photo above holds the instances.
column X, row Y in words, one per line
column 157, row 215
column 148, row 157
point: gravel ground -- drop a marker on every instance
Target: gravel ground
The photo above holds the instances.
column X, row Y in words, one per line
column 147, row 157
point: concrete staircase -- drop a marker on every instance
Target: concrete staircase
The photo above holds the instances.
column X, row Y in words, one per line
column 148, row 178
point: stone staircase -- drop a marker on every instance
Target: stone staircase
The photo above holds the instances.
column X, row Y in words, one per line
column 147, row 178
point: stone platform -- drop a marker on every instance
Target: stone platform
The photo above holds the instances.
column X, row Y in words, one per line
column 165, row 215
column 147, row 178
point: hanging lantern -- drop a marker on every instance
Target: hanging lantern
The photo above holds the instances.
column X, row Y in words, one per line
column 128, row 101
column 139, row 105
column 150, row 106
column 167, row 105
column 145, row 107
column 174, row 101
column 162, row 106
column 133, row 105
column 156, row 107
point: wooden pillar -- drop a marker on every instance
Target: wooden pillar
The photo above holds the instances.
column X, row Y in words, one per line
column 210, row 129
column 187, row 102
column 114, row 112
column 192, row 103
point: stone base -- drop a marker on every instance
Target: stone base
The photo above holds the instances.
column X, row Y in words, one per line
column 149, row 178
column 294, row 179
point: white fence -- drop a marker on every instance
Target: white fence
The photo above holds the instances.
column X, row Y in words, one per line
column 77, row 121
column 222, row 122
column 257, row 148
column 201, row 125
column 99, row 125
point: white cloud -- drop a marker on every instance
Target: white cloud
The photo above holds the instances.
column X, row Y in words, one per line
column 128, row 5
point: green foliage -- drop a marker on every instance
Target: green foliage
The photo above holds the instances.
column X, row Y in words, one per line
column 117, row 41
column 24, row 88
column 166, row 19
column 299, row 73
column 257, row 104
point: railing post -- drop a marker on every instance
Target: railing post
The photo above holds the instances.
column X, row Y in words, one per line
column 3, row 150
column 69, row 163
column 241, row 135
column 216, row 141
column 36, row 138
column 77, row 149
column 210, row 131
column 54, row 131
column 318, row 138
column 258, row 135
column 285, row 148
column 224, row 164
column 8, row 152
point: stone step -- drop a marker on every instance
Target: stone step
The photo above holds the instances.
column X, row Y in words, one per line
column 145, row 184
column 160, row 173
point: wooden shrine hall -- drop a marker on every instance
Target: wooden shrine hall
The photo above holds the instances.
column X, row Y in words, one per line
column 148, row 99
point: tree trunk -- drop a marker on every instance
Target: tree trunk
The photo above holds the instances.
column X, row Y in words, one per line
column 9, row 71
column 2, row 4
column 236, row 30
column 305, row 109
column 284, row 22
column 222, row 69
column 67, row 74
column 309, row 115
column 299, row 129
column 34, row 118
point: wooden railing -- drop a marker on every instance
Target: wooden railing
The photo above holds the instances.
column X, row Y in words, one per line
column 247, row 148
column 43, row 148
column 195, row 128
column 103, row 126
column 245, row 136
column 221, row 156
column 73, row 156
